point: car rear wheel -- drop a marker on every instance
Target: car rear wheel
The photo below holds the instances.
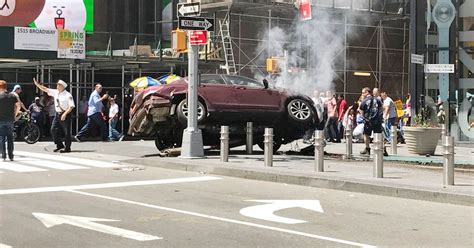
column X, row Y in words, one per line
column 183, row 111
column 299, row 110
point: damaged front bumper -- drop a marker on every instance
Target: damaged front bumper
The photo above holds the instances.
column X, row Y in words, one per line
column 155, row 110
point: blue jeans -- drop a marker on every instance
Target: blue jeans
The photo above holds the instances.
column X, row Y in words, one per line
column 6, row 135
column 113, row 133
column 388, row 128
column 97, row 120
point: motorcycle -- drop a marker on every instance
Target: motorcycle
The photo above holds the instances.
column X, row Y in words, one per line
column 26, row 128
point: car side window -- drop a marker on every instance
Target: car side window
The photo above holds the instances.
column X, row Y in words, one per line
column 212, row 79
column 243, row 81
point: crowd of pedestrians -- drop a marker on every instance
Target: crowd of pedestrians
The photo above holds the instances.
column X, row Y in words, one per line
column 53, row 112
column 374, row 112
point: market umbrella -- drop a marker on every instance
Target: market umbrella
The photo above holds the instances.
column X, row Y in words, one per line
column 167, row 79
column 144, row 82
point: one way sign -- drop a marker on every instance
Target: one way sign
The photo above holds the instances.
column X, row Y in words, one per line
column 195, row 23
column 189, row 9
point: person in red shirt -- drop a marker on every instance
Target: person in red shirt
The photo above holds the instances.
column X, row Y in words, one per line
column 341, row 110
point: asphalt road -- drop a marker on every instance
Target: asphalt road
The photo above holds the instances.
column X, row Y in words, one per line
column 125, row 205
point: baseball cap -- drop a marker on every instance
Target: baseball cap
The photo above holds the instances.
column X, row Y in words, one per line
column 16, row 87
column 61, row 82
column 37, row 98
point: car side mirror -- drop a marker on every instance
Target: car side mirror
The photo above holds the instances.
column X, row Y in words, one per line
column 265, row 83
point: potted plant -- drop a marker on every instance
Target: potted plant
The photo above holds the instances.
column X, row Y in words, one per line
column 423, row 135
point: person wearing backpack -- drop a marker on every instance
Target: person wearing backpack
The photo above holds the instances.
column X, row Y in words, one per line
column 372, row 111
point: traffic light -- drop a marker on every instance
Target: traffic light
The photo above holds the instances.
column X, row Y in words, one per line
column 272, row 65
column 178, row 40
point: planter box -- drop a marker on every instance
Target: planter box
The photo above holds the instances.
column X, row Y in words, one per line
column 422, row 140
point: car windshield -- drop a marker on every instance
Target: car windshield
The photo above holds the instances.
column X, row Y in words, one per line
column 212, row 79
column 243, row 81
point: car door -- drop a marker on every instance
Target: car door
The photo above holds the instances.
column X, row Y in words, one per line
column 253, row 96
column 219, row 95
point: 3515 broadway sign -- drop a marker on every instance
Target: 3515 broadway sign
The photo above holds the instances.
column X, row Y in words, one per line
column 36, row 39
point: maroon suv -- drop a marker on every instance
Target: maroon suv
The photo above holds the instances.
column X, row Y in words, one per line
column 230, row 100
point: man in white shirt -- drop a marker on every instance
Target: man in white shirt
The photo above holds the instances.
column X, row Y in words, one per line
column 389, row 114
column 63, row 104
column 113, row 119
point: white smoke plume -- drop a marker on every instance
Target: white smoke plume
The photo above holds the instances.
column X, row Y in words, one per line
column 312, row 49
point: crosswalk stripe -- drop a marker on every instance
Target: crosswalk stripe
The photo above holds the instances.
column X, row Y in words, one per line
column 69, row 160
column 14, row 166
column 51, row 164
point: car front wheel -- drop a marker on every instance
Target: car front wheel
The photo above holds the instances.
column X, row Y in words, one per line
column 299, row 110
column 183, row 111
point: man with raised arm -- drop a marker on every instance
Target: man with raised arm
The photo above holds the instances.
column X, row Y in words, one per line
column 63, row 104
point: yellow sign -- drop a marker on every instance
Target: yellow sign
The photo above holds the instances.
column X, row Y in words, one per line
column 71, row 44
column 399, row 107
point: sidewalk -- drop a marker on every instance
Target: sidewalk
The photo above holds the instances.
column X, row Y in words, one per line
column 402, row 178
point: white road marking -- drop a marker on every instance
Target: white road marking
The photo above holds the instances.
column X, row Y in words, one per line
column 309, row 235
column 50, row 220
column 265, row 211
column 106, row 185
column 13, row 166
column 51, row 164
column 4, row 246
column 71, row 160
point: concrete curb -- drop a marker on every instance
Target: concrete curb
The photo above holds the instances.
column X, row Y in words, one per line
column 314, row 180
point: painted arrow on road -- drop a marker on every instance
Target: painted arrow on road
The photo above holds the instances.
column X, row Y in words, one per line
column 265, row 211
column 50, row 220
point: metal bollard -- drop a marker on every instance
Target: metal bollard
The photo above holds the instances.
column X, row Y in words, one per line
column 448, row 163
column 224, row 144
column 443, row 131
column 268, row 143
column 319, row 150
column 378, row 155
column 394, row 140
column 249, row 144
column 348, row 154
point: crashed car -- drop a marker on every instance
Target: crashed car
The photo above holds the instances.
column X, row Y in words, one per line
column 161, row 111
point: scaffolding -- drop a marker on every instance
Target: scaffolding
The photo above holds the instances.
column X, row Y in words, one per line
column 83, row 75
column 387, row 27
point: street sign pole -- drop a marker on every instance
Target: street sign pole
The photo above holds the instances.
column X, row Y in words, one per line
column 192, row 146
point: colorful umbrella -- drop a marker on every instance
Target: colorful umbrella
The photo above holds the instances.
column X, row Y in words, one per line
column 167, row 79
column 144, row 82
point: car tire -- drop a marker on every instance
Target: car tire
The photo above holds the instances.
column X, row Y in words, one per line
column 299, row 110
column 163, row 142
column 182, row 111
